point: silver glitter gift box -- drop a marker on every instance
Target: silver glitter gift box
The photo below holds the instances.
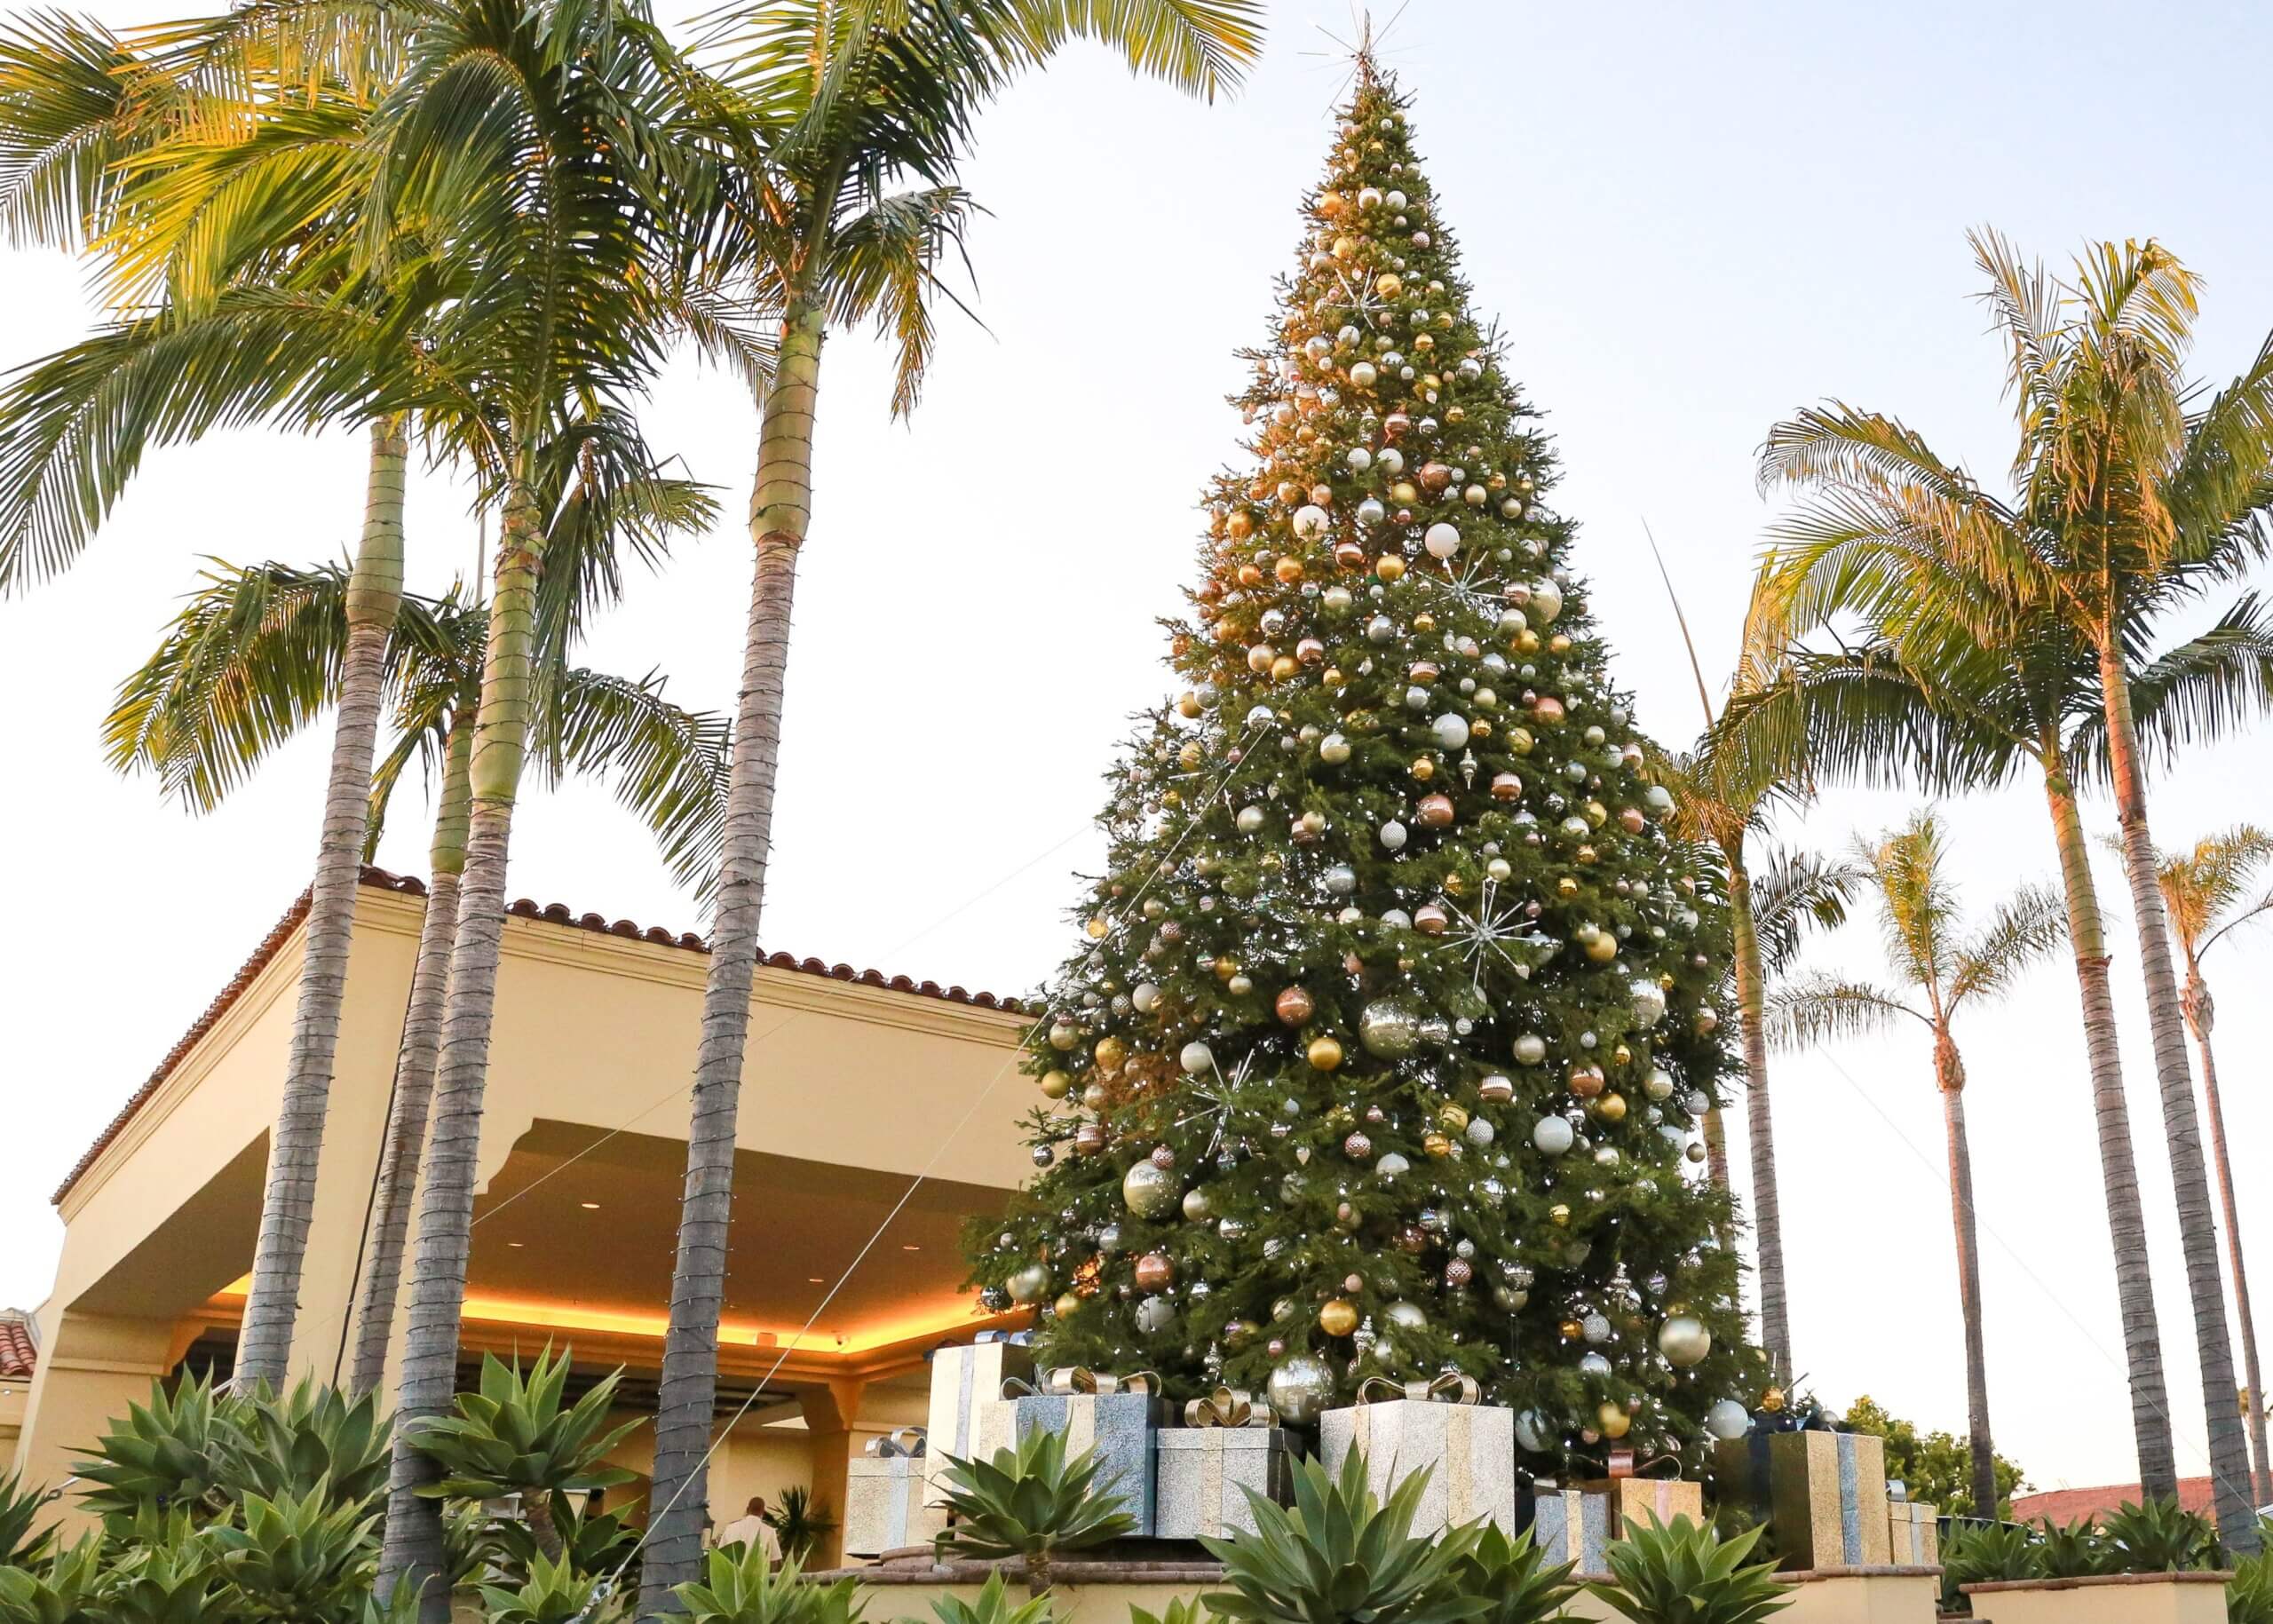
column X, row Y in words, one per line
column 1226, row 1445
column 1116, row 1416
column 883, row 1495
column 969, row 1418
column 1574, row 1526
column 1470, row 1448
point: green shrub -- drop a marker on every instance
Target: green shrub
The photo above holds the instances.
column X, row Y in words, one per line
column 2249, row 1594
column 297, row 1558
column 1338, row 1556
column 798, row 1523
column 991, row 1607
column 590, row 1542
column 69, row 1591
column 554, row 1594
column 2158, row 1537
column 168, row 1454
column 1684, row 1573
column 283, row 1448
column 1984, row 1553
column 1029, row 1501
column 22, row 1542
column 1515, row 1577
column 2072, row 1552
column 1181, row 1610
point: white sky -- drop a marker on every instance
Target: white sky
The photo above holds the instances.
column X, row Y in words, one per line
column 1689, row 220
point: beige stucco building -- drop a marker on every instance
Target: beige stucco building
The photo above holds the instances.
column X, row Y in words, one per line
column 876, row 1116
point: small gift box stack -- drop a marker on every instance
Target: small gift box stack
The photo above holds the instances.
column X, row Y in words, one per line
column 1577, row 1524
column 1825, row 1491
column 1470, row 1448
column 1229, row 1442
column 1116, row 1416
column 883, row 1495
column 1915, row 1529
column 969, row 1418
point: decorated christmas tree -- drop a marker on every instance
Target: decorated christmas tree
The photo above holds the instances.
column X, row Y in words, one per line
column 1387, row 1048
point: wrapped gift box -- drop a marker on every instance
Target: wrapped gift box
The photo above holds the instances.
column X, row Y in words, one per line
column 1638, row 1500
column 883, row 1495
column 1116, row 1416
column 969, row 1417
column 1916, row 1534
column 1574, row 1527
column 1826, row 1492
column 1468, row 1447
column 1226, row 1445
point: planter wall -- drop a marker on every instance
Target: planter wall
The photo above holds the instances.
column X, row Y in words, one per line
column 2116, row 1598
column 1097, row 1592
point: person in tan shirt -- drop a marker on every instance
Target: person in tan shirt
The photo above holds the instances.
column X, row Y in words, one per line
column 751, row 1529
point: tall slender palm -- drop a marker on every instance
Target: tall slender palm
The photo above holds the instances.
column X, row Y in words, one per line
column 2212, row 891
column 822, row 111
column 91, row 130
column 254, row 656
column 1724, row 803
column 2128, row 500
column 1946, row 969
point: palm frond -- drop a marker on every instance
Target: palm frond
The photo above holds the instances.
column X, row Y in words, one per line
column 885, row 265
column 74, row 101
column 1794, row 892
column 1823, row 1009
column 2205, row 689
column 670, row 765
column 2027, row 928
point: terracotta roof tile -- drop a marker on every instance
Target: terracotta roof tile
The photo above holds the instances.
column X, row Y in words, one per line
column 19, row 1353
column 551, row 913
column 2066, row 1506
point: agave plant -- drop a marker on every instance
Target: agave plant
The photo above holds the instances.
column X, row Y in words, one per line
column 166, row 1455
column 553, row 1594
column 69, row 1591
column 798, row 1523
column 167, row 1576
column 1984, row 1555
column 590, row 1541
column 283, row 1448
column 1031, row 1501
column 1341, row 1557
column 740, row 1586
column 2072, row 1552
column 516, row 1436
column 2249, row 1593
column 297, row 1558
column 1181, row 1610
column 2160, row 1536
column 993, row 1607
column 1682, row 1573
column 1516, row 1577
column 21, row 1544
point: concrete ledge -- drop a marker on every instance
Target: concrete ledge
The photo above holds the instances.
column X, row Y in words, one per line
column 2107, row 1598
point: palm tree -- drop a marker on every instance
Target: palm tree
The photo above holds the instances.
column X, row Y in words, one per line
column 823, row 110
column 1942, row 694
column 2211, row 892
column 89, row 129
column 255, row 655
column 1947, row 969
column 2128, row 503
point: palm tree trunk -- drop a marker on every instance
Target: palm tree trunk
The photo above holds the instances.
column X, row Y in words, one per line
column 1717, row 1150
column 536, row 1507
column 413, row 1547
column 373, row 595
column 1949, row 1073
column 413, row 1073
column 2127, row 1218
column 781, row 508
column 2200, row 1016
column 1760, row 1125
column 2190, row 1178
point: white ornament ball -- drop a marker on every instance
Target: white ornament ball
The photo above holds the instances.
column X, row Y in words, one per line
column 1299, row 1387
column 1546, row 599
column 1648, row 1002
column 1451, row 730
column 1155, row 1315
column 1340, row 879
column 1392, row 835
column 1249, row 820
column 1196, row 1057
column 1333, row 749
column 1360, row 459
column 1442, row 540
column 1362, row 375
column 1371, row 513
column 1531, row 1049
column 1532, row 1433
column 1684, row 1341
column 1595, row 1328
column 1310, row 522
column 1728, row 1420
column 1146, row 997
column 1553, row 1135
column 1593, row 1365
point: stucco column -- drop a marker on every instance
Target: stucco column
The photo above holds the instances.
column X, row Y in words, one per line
column 91, row 1367
column 832, row 1422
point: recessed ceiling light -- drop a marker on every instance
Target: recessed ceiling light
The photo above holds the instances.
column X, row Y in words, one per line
column 911, row 1248
column 516, row 1244
column 589, row 1206
column 817, row 1279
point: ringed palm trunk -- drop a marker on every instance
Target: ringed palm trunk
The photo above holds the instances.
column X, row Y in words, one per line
column 2201, row 1015
column 413, row 1073
column 2127, row 1218
column 1760, row 1125
column 413, row 1547
column 373, row 595
column 2190, row 1178
column 1949, row 1073
column 780, row 507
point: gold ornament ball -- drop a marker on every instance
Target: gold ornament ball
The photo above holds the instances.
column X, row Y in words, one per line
column 1187, row 706
column 1613, row 1420
column 1438, row 1146
column 1772, row 1400
column 1559, row 1214
column 1112, row 1053
column 1324, row 1054
column 1056, row 1085
column 1338, row 1318
column 1572, row 1330
column 1611, row 1107
column 1067, row 1304
column 1452, row 1118
column 1288, row 570
column 1602, row 946
column 1389, row 567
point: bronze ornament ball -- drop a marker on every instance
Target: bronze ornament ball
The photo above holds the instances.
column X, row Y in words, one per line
column 1295, row 1006
column 1154, row 1272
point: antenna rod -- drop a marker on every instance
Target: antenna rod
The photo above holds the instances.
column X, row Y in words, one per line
column 1703, row 697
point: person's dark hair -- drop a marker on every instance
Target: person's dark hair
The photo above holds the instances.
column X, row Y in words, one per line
column 757, row 1507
